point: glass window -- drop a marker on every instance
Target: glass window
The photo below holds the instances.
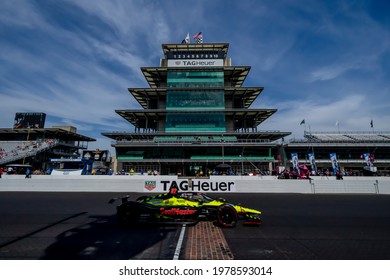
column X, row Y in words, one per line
column 195, row 79
column 189, row 100
column 199, row 100
column 203, row 121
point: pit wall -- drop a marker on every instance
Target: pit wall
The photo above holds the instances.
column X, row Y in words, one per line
column 217, row 184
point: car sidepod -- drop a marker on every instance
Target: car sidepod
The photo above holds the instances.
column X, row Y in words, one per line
column 133, row 212
column 179, row 214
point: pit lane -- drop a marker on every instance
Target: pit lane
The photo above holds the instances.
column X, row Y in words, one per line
column 44, row 225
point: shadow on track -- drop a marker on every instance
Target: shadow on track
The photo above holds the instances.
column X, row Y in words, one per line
column 104, row 239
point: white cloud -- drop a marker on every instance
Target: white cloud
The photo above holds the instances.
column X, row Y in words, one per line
column 20, row 13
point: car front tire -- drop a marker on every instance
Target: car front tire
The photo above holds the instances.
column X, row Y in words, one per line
column 227, row 216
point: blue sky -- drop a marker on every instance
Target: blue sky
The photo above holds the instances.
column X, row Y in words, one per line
column 322, row 61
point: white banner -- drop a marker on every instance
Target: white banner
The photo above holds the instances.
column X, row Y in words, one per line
column 195, row 62
column 196, row 185
column 56, row 172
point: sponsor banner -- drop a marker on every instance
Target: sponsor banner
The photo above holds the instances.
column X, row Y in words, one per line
column 196, row 185
column 335, row 163
column 312, row 161
column 55, row 172
column 294, row 159
column 195, row 62
column 97, row 155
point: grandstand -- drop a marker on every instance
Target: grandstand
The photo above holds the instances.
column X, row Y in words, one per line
column 11, row 151
column 353, row 137
column 349, row 147
column 36, row 146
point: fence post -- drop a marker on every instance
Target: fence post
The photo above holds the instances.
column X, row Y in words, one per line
column 376, row 185
column 313, row 189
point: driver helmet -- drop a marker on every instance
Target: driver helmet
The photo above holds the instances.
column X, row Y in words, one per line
column 173, row 190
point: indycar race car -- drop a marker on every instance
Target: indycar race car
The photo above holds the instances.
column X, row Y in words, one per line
column 183, row 208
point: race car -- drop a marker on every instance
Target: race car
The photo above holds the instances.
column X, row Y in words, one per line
column 183, row 208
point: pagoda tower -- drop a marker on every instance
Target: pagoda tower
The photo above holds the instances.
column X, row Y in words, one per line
column 196, row 117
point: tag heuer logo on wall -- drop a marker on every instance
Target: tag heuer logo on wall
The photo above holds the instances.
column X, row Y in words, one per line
column 195, row 62
column 150, row 185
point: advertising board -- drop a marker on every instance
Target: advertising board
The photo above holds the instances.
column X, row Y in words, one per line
column 195, row 62
column 29, row 120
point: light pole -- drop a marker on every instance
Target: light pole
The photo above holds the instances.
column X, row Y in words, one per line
column 26, row 145
column 242, row 165
column 223, row 149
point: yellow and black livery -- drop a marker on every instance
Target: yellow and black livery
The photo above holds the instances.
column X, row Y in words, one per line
column 184, row 208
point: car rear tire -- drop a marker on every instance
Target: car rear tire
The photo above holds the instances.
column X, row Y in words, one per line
column 227, row 216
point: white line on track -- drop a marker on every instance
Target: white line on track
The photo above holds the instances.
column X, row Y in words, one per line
column 179, row 243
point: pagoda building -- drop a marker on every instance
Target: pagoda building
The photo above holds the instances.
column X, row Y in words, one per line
column 196, row 117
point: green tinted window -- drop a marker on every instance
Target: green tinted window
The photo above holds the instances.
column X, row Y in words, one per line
column 195, row 79
column 199, row 100
column 189, row 100
column 210, row 121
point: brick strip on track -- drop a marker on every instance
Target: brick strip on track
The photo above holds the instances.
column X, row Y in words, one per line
column 206, row 242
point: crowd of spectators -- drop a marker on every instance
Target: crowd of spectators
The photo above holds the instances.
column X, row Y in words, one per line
column 13, row 150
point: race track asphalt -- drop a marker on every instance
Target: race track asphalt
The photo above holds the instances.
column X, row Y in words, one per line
column 43, row 225
column 314, row 227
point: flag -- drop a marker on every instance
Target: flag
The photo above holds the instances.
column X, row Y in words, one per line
column 186, row 40
column 337, row 123
column 302, row 122
column 372, row 123
column 369, row 159
column 198, row 38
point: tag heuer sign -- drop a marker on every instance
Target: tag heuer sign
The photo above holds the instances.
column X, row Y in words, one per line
column 195, row 62
column 150, row 185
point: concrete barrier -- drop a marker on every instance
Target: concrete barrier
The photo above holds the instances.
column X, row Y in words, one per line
column 156, row 184
column 341, row 186
column 273, row 186
column 42, row 183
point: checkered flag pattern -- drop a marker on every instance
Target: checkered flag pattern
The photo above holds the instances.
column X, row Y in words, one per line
column 198, row 37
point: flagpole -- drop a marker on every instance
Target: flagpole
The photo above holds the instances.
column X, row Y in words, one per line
column 304, row 123
column 372, row 126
